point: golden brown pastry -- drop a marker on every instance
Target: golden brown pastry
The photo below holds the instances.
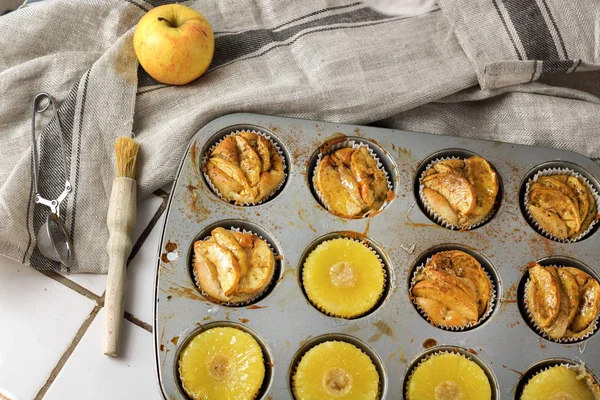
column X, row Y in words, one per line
column 564, row 302
column 462, row 193
column 350, row 182
column 562, row 205
column 245, row 168
column 452, row 289
column 232, row 266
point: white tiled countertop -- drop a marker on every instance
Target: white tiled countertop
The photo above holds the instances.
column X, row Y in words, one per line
column 51, row 327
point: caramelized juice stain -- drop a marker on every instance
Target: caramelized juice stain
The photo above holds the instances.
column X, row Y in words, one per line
column 429, row 343
column 244, row 320
column 170, row 246
column 187, row 292
column 310, row 226
column 175, row 340
column 383, row 329
column 194, row 155
column 513, row 370
column 336, row 138
column 367, row 226
column 255, row 307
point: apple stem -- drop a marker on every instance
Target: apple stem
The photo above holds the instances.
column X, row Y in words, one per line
column 163, row 19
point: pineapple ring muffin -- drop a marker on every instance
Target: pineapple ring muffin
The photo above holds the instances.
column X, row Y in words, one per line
column 448, row 376
column 561, row 383
column 343, row 278
column 222, row 363
column 335, row 370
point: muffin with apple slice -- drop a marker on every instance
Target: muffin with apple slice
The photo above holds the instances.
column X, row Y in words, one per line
column 460, row 193
column 245, row 168
column 452, row 290
column 561, row 205
column 351, row 183
column 562, row 302
column 233, row 267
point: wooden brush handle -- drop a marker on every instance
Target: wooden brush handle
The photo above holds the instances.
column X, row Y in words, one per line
column 120, row 221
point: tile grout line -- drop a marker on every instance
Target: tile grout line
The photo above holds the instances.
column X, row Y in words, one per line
column 148, row 230
column 63, row 359
column 136, row 321
column 71, row 285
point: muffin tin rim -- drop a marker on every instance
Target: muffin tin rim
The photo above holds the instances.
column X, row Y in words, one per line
column 382, row 135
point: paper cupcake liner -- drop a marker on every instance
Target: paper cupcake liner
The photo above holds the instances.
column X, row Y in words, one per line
column 294, row 370
column 435, row 216
column 206, row 157
column 252, row 297
column 576, row 337
column 380, row 294
column 355, row 145
column 484, row 316
column 560, row 171
column 580, row 368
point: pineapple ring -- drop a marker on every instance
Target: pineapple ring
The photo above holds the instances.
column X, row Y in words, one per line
column 445, row 375
column 335, row 370
column 212, row 364
column 343, row 277
column 557, row 383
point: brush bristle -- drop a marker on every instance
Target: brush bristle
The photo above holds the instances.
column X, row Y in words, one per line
column 126, row 150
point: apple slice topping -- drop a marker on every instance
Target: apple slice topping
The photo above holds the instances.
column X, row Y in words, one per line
column 455, row 189
column 250, row 160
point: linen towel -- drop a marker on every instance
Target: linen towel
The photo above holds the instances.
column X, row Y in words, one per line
column 522, row 71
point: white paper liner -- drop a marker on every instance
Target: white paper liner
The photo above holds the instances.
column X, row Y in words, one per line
column 355, row 145
column 586, row 333
column 366, row 244
column 484, row 316
column 254, row 296
column 206, row 157
column 435, row 354
column 560, row 171
column 435, row 216
column 577, row 368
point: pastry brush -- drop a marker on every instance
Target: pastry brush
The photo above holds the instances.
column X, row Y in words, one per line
column 120, row 221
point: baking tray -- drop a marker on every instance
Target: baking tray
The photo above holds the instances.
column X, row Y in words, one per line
column 395, row 335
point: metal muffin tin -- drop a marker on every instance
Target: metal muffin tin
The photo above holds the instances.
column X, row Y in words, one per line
column 395, row 334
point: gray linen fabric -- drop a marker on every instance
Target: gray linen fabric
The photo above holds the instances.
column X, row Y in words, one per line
column 462, row 69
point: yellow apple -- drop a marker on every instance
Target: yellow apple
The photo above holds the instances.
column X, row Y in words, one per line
column 174, row 44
